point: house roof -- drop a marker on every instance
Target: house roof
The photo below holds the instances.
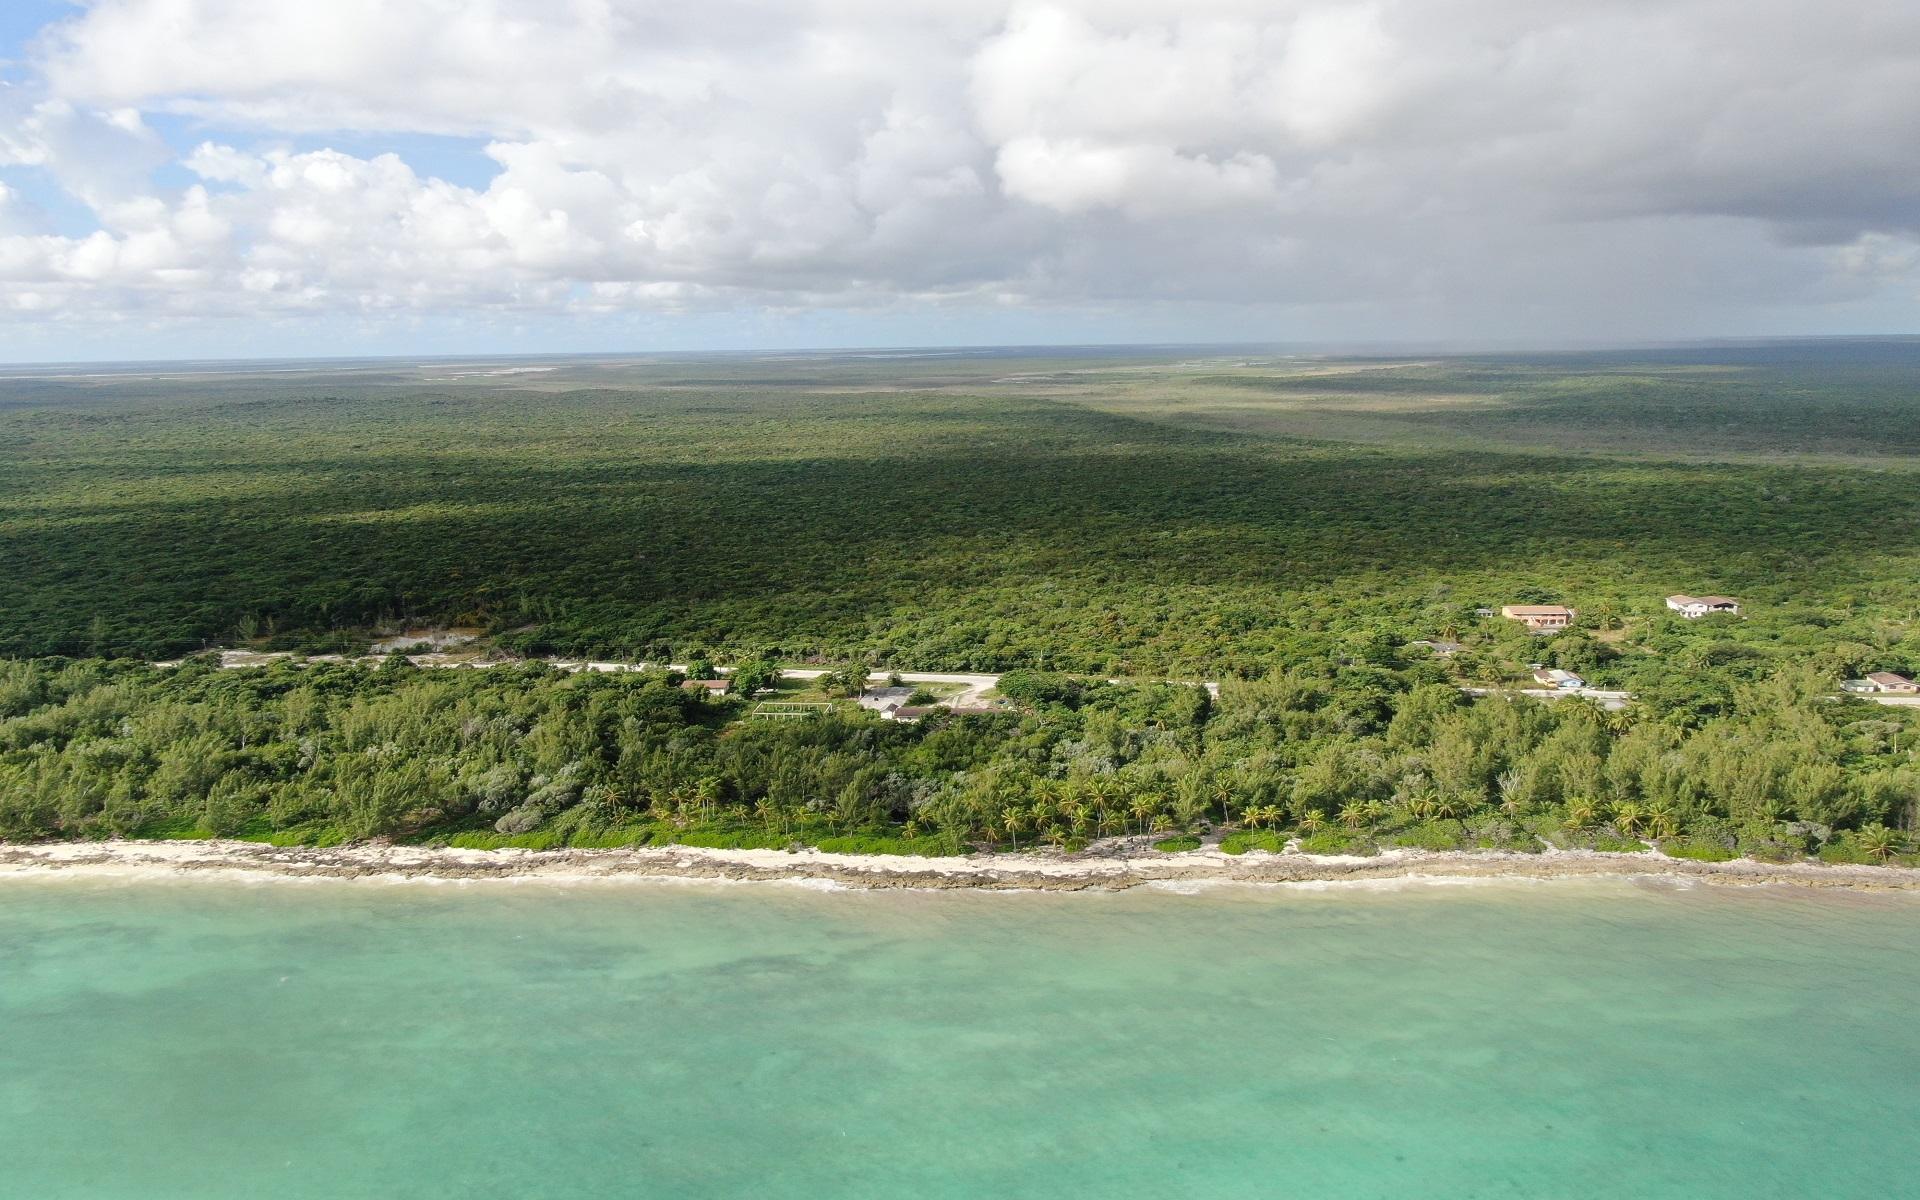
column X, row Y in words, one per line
column 1536, row 610
column 1889, row 679
column 1556, row 675
column 1709, row 601
column 711, row 685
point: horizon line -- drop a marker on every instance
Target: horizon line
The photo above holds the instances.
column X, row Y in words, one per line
column 1330, row 347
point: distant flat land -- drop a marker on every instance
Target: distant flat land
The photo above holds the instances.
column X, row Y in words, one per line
column 1173, row 511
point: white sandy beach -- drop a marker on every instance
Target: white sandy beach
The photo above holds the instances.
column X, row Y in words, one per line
column 1038, row 871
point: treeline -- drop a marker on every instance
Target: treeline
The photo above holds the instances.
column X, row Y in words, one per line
column 1348, row 758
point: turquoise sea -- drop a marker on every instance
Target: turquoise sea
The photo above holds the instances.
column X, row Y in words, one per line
column 216, row 1039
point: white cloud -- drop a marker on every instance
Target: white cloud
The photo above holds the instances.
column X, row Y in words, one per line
column 1551, row 163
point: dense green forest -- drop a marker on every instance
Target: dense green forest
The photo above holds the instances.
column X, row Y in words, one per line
column 1286, row 525
column 969, row 515
column 1349, row 759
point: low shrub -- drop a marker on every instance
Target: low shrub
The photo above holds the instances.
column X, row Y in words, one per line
column 1242, row 840
column 1427, row 836
column 731, row 839
column 1174, row 845
column 1699, row 849
column 1842, row 851
column 1613, row 843
column 931, row 846
column 479, row 839
column 610, row 839
column 1336, row 841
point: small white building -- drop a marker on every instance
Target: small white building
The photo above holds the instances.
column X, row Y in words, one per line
column 1882, row 681
column 884, row 700
column 1554, row 677
column 1695, row 607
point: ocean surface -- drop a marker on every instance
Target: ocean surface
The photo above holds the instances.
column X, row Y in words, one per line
column 282, row 1039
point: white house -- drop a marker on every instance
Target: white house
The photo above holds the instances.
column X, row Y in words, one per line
column 1882, row 681
column 884, row 700
column 1695, row 607
column 1554, row 677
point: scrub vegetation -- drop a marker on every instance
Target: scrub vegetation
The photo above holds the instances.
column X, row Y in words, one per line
column 1347, row 759
column 1288, row 527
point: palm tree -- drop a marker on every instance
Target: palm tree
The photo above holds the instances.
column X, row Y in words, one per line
column 1581, row 814
column 1878, row 842
column 1014, row 820
column 1102, row 788
column 1310, row 821
column 1663, row 819
column 1629, row 818
column 1143, row 807
column 1353, row 814
column 1376, row 812
column 1041, row 810
column 1055, row 836
column 1075, row 811
column 1223, row 795
column 707, row 792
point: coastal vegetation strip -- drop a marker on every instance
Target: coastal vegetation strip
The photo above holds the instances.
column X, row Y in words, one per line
column 1347, row 760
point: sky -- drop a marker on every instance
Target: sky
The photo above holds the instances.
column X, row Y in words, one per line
column 285, row 178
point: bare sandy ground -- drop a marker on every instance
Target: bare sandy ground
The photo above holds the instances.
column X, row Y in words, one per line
column 1042, row 871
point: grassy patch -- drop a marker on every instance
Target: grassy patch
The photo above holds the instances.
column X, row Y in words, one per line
column 611, row 839
column 1615, row 844
column 1175, row 845
column 1242, row 840
column 870, row 843
column 1428, row 836
column 1698, row 849
column 730, row 839
column 173, row 829
column 1337, row 841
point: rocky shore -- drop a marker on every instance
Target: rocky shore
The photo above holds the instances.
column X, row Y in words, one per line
column 1109, row 868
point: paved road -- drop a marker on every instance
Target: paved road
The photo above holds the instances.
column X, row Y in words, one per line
column 1608, row 699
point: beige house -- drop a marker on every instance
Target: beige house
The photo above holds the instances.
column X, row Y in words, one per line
column 1881, row 681
column 1695, row 607
column 1559, row 680
column 1541, row 618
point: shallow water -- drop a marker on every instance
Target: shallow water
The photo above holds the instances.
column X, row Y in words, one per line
column 198, row 1039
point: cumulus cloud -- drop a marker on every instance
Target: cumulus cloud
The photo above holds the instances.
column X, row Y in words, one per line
column 1547, row 164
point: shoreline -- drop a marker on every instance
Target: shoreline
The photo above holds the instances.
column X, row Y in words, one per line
column 1039, row 871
